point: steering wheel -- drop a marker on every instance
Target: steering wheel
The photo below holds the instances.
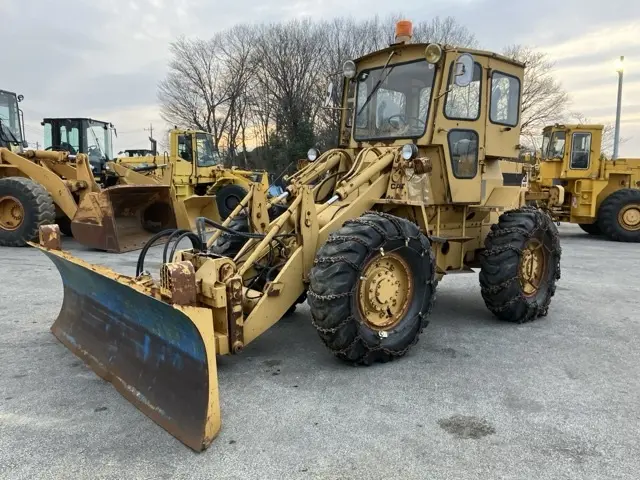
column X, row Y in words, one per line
column 94, row 151
column 405, row 121
column 65, row 147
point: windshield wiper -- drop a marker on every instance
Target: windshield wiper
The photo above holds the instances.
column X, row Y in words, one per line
column 377, row 85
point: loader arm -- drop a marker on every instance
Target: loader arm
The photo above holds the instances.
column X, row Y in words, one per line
column 56, row 187
column 271, row 308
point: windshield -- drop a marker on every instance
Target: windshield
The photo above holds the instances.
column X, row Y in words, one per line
column 545, row 144
column 208, row 155
column 10, row 116
column 399, row 107
column 555, row 148
column 99, row 142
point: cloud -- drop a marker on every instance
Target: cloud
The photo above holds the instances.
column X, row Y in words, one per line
column 105, row 59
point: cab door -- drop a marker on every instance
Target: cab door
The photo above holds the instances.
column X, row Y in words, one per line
column 460, row 129
column 580, row 153
column 503, row 119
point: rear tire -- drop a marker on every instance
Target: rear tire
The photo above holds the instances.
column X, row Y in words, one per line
column 65, row 226
column 619, row 216
column 227, row 244
column 228, row 198
column 511, row 261
column 590, row 228
column 343, row 301
column 24, row 206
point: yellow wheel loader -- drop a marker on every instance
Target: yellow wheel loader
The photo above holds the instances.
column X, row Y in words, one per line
column 198, row 175
column 579, row 185
column 100, row 203
column 413, row 193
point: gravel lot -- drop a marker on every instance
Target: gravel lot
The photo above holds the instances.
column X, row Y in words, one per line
column 475, row 399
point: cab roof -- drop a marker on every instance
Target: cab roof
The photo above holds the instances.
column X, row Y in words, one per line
column 445, row 48
column 574, row 126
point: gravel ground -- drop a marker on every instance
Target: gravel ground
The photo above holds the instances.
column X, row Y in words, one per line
column 475, row 399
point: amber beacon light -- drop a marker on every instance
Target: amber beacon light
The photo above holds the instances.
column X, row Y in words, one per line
column 404, row 31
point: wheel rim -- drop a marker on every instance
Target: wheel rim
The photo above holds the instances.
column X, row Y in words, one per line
column 384, row 291
column 629, row 217
column 533, row 265
column 231, row 202
column 11, row 213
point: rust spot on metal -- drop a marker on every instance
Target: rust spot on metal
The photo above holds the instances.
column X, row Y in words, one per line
column 226, row 271
column 50, row 236
column 273, row 289
column 236, row 320
column 422, row 165
column 178, row 282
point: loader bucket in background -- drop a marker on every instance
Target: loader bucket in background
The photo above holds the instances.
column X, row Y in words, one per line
column 159, row 357
column 196, row 206
column 124, row 217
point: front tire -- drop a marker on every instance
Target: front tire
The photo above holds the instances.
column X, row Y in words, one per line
column 590, row 228
column 619, row 216
column 372, row 288
column 24, row 206
column 520, row 265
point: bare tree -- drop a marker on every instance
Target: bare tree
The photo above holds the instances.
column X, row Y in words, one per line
column 544, row 100
column 196, row 90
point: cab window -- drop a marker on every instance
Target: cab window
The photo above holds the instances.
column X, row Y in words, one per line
column 463, row 147
column 555, row 148
column 505, row 99
column 185, row 149
column 580, row 151
column 463, row 103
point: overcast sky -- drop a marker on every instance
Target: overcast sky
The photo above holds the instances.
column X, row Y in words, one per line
column 103, row 59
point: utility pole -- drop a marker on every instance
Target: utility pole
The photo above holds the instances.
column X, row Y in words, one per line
column 154, row 144
column 616, row 140
column 150, row 130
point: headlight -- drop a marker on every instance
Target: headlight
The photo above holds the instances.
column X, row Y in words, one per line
column 409, row 151
column 433, row 53
column 349, row 69
column 312, row 154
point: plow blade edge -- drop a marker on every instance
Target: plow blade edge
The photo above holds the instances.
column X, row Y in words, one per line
column 124, row 217
column 159, row 357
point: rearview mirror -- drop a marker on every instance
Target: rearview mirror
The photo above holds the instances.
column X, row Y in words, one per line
column 329, row 98
column 464, row 70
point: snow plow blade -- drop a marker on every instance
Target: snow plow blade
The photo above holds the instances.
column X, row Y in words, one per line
column 160, row 357
column 122, row 218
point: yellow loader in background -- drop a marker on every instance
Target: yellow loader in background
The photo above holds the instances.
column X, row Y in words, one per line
column 577, row 184
column 198, row 176
column 103, row 204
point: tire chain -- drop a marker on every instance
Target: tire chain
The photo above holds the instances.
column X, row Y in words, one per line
column 556, row 249
column 426, row 249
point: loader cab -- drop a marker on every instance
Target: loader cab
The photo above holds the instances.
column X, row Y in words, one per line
column 195, row 156
column 92, row 137
column 459, row 107
column 11, row 122
column 570, row 151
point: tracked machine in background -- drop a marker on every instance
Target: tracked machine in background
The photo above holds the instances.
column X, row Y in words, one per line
column 414, row 193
